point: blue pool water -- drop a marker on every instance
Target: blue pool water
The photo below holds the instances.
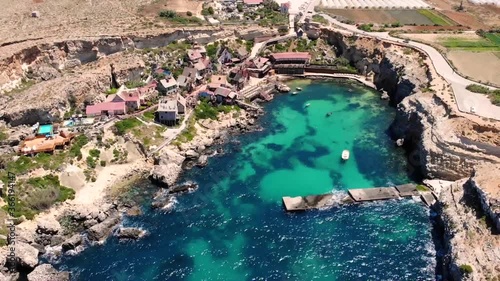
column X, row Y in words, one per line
column 45, row 129
column 234, row 227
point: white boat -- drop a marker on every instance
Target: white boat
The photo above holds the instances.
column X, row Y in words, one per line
column 294, row 93
column 345, row 154
column 307, row 105
column 298, row 89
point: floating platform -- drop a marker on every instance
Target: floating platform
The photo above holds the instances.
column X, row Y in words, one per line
column 353, row 196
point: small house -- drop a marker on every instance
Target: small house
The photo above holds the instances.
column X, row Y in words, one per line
column 258, row 67
column 168, row 86
column 225, row 56
column 225, row 95
column 168, row 112
column 131, row 98
column 238, row 77
column 181, row 104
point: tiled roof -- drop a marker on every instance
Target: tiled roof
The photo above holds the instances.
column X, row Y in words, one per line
column 291, row 56
column 222, row 91
column 104, row 106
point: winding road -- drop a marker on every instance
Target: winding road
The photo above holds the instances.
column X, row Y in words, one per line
column 464, row 98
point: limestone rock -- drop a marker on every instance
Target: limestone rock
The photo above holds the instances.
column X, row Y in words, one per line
column 46, row 272
column 165, row 175
column 73, row 242
column 48, row 225
column 130, row 233
column 191, row 154
column 202, row 161
column 100, row 231
column 27, row 255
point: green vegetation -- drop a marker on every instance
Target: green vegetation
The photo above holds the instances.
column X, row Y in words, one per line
column 208, row 11
column 422, row 188
column 366, row 27
column 493, row 37
column 494, row 95
column 149, row 115
column 187, row 134
column 239, row 7
column 249, row 45
column 189, row 13
column 111, row 91
column 172, row 16
column 134, row 84
column 436, row 18
column 268, row 15
column 38, row 194
column 466, row 269
column 304, row 46
column 481, row 44
column 320, row 19
column 103, row 163
column 91, row 162
column 3, row 136
column 95, row 153
column 206, row 111
column 212, row 49
column 123, row 126
column 78, row 143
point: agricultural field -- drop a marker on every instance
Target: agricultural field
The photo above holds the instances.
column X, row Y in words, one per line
column 381, row 17
column 473, row 16
column 437, row 18
column 473, row 55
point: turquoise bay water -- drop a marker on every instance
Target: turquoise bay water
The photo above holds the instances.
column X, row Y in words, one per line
column 234, row 227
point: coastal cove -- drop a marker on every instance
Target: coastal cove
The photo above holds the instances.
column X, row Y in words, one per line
column 234, row 227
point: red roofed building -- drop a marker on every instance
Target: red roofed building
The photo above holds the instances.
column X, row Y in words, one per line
column 106, row 108
column 291, row 62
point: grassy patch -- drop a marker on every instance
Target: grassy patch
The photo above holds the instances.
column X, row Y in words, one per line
column 422, row 188
column 111, row 91
column 173, row 17
column 493, row 37
column 123, row 126
column 481, row 44
column 366, row 27
column 494, row 95
column 320, row 19
column 149, row 115
column 149, row 135
column 134, row 84
column 436, row 17
column 188, row 133
column 207, row 111
column 38, row 194
column 466, row 269
column 78, row 143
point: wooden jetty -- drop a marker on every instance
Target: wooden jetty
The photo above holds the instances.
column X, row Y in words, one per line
column 353, row 196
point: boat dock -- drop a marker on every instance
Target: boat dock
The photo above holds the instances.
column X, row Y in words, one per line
column 354, row 196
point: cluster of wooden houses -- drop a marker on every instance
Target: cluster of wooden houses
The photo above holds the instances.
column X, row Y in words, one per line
column 222, row 89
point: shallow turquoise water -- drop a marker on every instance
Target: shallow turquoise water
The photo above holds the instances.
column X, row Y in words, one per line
column 234, row 226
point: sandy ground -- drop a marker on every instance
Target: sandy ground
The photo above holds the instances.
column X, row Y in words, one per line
column 436, row 38
column 483, row 66
column 475, row 16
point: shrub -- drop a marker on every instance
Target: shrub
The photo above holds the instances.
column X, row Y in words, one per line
column 78, row 143
column 91, row 162
column 466, row 269
column 189, row 13
column 167, row 14
column 111, row 91
column 477, row 89
column 103, row 163
column 95, row 153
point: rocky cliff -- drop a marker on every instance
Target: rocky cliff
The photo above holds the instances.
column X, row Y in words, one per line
column 399, row 71
column 439, row 142
column 472, row 245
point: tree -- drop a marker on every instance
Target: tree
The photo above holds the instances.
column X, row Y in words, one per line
column 189, row 13
column 211, row 10
column 239, row 6
column 272, row 5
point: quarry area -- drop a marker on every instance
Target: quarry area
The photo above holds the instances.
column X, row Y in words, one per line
column 96, row 94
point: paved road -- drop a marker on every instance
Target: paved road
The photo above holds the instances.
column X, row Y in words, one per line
column 465, row 99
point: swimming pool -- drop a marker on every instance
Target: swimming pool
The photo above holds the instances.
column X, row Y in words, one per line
column 45, row 129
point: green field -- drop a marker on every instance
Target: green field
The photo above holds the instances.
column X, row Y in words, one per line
column 436, row 18
column 493, row 37
column 481, row 44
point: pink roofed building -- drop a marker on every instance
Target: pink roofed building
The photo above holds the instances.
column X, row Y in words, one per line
column 290, row 62
column 106, row 108
column 252, row 2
